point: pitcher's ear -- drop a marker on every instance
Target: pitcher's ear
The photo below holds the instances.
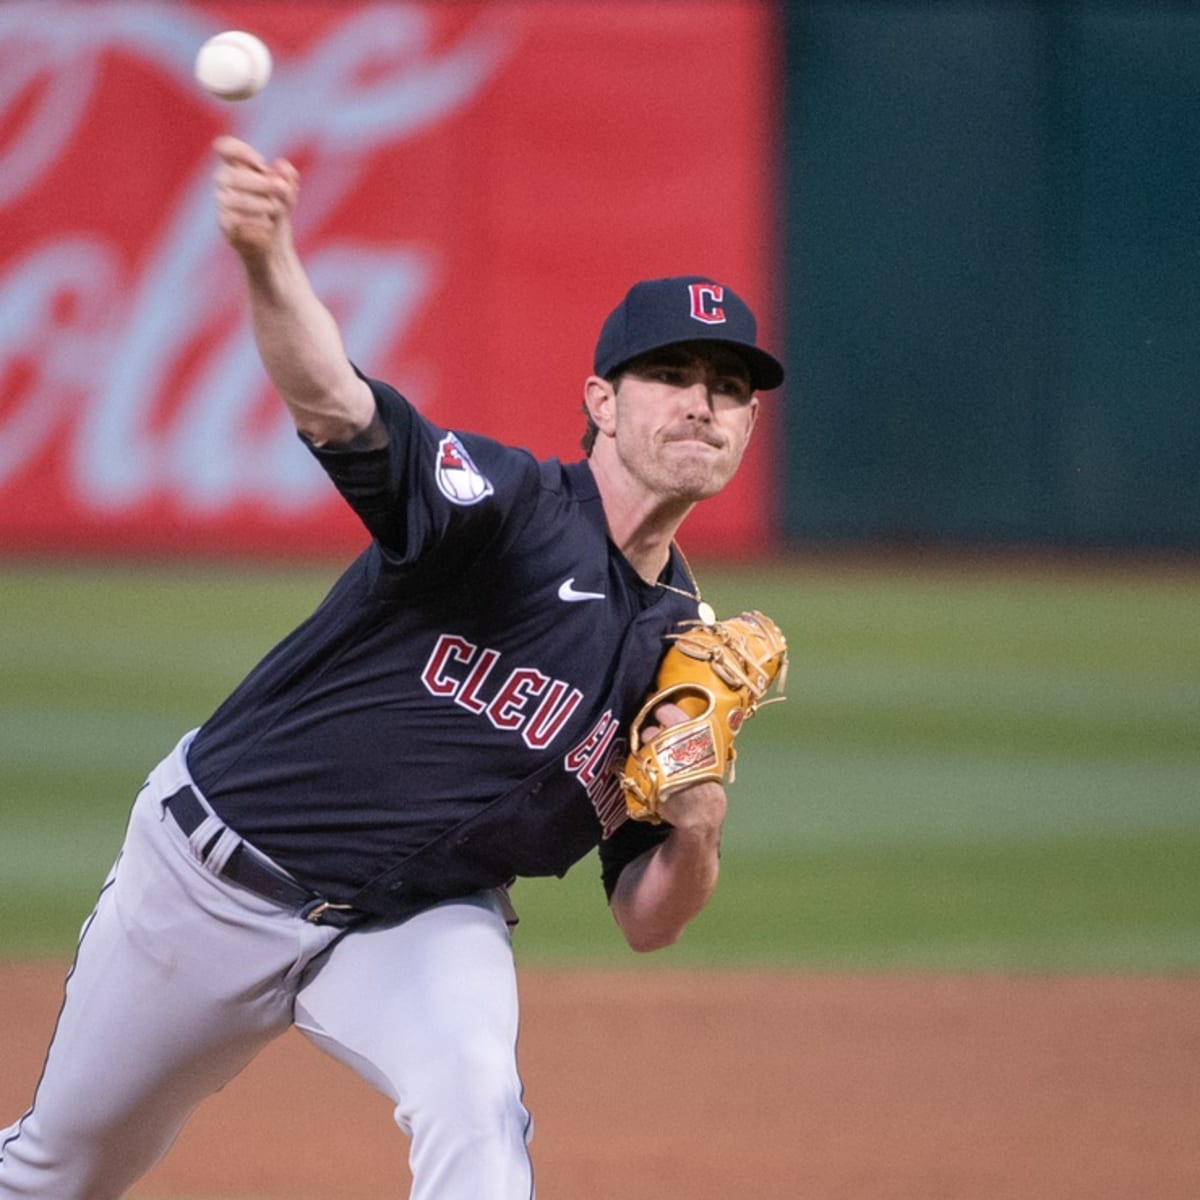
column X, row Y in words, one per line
column 599, row 398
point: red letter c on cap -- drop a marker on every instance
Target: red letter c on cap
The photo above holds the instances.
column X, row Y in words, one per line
column 706, row 303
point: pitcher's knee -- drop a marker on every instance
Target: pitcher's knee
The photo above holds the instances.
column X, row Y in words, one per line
column 470, row 1138
column 476, row 1098
column 78, row 1170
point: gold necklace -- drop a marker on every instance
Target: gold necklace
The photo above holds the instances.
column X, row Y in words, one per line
column 704, row 610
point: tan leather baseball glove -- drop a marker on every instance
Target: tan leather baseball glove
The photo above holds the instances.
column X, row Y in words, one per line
column 719, row 674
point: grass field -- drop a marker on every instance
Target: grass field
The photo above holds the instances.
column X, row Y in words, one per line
column 974, row 769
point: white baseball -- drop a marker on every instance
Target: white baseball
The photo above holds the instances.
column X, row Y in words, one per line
column 233, row 65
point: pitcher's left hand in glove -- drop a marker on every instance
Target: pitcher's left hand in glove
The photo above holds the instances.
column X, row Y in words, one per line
column 718, row 674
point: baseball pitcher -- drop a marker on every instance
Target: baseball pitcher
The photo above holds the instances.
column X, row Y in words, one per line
column 519, row 668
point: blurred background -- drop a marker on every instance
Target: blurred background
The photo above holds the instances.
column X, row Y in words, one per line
column 968, row 228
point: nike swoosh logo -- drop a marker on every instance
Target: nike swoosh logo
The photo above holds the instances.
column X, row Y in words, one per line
column 566, row 591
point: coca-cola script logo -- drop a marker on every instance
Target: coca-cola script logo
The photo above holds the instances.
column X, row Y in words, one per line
column 127, row 369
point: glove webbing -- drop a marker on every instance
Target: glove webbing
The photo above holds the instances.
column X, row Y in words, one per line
column 734, row 667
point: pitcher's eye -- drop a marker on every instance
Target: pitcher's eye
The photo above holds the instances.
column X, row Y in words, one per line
column 732, row 386
column 673, row 376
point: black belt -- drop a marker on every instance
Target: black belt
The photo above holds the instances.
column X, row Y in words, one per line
column 246, row 868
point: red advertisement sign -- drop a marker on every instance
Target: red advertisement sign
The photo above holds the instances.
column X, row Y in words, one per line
column 481, row 183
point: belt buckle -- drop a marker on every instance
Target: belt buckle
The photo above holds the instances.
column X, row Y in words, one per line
column 314, row 911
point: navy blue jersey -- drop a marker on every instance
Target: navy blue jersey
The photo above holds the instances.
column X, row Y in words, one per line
column 448, row 718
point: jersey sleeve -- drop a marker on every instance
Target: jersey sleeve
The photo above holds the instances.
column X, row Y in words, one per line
column 428, row 487
column 631, row 839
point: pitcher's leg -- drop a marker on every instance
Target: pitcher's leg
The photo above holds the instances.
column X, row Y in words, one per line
column 176, row 985
column 426, row 1011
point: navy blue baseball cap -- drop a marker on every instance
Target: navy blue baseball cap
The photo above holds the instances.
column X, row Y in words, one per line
column 683, row 308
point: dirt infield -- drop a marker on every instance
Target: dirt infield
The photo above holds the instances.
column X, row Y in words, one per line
column 690, row 1086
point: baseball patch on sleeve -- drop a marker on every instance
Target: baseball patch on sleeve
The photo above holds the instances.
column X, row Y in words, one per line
column 458, row 478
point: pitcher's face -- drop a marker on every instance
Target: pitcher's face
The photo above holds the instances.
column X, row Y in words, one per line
column 684, row 415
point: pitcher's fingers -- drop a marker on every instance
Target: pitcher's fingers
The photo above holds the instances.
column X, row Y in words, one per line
column 235, row 152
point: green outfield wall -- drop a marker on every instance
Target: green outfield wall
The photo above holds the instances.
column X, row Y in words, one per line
column 992, row 272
